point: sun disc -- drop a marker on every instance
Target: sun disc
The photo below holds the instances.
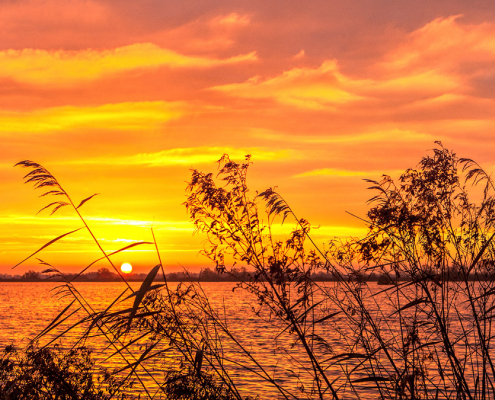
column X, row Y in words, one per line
column 126, row 268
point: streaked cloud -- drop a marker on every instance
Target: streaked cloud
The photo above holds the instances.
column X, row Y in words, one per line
column 385, row 135
column 232, row 19
column 191, row 156
column 299, row 55
column 326, row 88
column 446, row 43
column 409, row 86
column 205, row 34
column 63, row 220
column 306, row 88
column 66, row 68
column 121, row 116
column 335, row 172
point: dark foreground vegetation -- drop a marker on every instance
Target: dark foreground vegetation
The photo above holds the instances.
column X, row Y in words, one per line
column 45, row 373
column 426, row 335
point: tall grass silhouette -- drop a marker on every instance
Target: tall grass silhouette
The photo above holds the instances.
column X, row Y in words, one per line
column 427, row 335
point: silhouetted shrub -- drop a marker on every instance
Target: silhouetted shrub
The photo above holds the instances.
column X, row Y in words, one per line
column 48, row 374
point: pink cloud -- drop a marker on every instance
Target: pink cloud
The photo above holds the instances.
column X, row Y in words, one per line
column 204, row 35
column 447, row 44
column 49, row 23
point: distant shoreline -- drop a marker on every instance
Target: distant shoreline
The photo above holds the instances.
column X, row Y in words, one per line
column 228, row 279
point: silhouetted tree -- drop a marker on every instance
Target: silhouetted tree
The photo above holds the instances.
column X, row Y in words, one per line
column 31, row 276
column 104, row 273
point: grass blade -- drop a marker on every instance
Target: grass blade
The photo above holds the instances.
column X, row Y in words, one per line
column 142, row 291
column 412, row 304
column 86, row 199
column 327, row 317
column 372, row 379
column 46, row 245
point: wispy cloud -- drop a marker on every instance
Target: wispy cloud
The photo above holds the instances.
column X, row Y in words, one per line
column 205, row 34
column 59, row 220
column 65, row 68
column 446, row 43
column 375, row 136
column 191, row 156
column 327, row 88
column 307, row 88
column 343, row 173
column 120, row 116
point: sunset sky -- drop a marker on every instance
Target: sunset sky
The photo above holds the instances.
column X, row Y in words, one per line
column 124, row 98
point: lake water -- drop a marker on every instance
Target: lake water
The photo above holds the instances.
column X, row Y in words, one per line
column 26, row 308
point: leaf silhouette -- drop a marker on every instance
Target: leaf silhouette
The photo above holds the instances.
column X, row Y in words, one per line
column 372, row 379
column 141, row 292
column 47, row 271
column 128, row 247
column 198, row 361
column 47, row 244
column 54, row 324
column 142, row 358
column 99, row 316
column 327, row 317
column 41, row 177
column 86, row 199
column 412, row 304
column 480, row 253
column 49, row 205
column 60, row 205
column 154, row 287
column 302, row 317
column 54, row 193
column 346, row 356
column 43, row 262
column 130, row 343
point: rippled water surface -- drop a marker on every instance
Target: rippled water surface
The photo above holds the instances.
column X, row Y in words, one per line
column 27, row 308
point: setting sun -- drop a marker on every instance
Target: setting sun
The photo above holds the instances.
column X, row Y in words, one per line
column 126, row 268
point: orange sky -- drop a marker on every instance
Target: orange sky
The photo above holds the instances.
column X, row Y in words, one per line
column 124, row 97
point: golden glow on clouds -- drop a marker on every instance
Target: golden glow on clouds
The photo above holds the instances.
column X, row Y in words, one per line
column 445, row 42
column 423, row 84
column 191, row 156
column 232, row 19
column 206, row 33
column 391, row 135
column 326, row 88
column 72, row 221
column 301, row 87
column 61, row 68
column 336, row 172
column 121, row 116
column 124, row 102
